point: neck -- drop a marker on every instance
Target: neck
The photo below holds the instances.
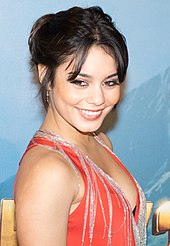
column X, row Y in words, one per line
column 66, row 131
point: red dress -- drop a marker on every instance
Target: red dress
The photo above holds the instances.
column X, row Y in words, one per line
column 104, row 216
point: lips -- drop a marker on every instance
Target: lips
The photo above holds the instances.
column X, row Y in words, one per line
column 90, row 114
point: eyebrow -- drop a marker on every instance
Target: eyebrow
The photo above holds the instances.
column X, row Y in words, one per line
column 112, row 75
column 89, row 76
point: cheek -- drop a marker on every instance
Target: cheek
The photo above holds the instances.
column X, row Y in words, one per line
column 118, row 94
column 65, row 95
column 113, row 97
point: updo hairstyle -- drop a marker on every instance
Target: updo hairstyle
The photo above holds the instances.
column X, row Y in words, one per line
column 55, row 38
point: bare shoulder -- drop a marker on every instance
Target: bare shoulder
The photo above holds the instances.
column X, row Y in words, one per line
column 106, row 140
column 45, row 189
column 42, row 165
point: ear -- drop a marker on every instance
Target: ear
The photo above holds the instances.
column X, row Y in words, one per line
column 41, row 72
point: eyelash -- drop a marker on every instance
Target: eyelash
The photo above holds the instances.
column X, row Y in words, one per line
column 82, row 83
column 111, row 83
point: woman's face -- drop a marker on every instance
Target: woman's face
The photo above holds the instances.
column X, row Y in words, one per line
column 83, row 104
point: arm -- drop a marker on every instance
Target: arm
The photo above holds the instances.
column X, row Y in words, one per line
column 44, row 193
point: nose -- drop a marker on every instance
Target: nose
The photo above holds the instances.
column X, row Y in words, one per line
column 95, row 96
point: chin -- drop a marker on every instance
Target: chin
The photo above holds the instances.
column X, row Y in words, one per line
column 86, row 129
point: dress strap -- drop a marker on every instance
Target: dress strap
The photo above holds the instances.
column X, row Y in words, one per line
column 47, row 144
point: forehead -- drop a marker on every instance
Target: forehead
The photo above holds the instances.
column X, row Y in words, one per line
column 98, row 62
column 97, row 53
column 97, row 57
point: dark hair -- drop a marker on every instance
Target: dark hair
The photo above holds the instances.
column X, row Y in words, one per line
column 56, row 37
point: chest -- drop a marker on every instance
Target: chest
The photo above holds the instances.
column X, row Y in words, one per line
column 109, row 163
column 103, row 201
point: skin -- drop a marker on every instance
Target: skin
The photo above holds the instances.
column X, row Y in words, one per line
column 75, row 111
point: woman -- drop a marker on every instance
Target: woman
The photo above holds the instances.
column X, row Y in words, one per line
column 70, row 188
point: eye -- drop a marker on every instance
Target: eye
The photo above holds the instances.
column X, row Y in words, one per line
column 111, row 83
column 80, row 83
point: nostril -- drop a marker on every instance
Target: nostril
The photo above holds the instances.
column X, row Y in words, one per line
column 96, row 97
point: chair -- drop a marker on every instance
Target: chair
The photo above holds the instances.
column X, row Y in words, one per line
column 161, row 220
column 8, row 235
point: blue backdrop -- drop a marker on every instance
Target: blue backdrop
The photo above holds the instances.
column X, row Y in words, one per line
column 141, row 134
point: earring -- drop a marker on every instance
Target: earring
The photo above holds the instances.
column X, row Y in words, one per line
column 47, row 96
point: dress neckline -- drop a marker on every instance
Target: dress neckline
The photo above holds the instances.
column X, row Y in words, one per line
column 56, row 137
column 60, row 141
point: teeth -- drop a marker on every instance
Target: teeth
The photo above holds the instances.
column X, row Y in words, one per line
column 90, row 113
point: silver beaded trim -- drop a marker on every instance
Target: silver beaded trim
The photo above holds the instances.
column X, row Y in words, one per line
column 93, row 194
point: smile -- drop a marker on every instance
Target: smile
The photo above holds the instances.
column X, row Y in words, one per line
column 90, row 114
